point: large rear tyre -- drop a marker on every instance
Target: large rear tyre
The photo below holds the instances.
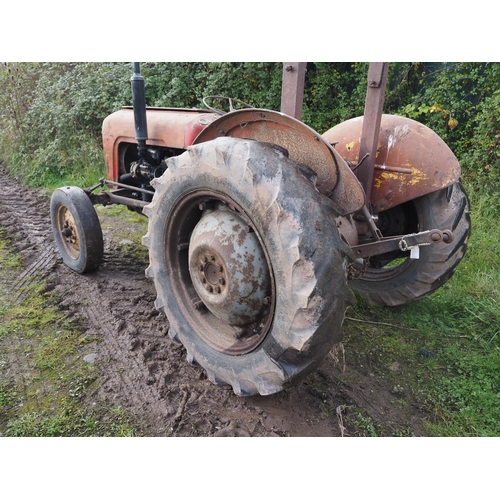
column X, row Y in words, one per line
column 247, row 264
column 394, row 279
column 76, row 228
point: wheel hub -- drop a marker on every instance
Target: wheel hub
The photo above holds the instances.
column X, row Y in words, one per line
column 67, row 227
column 228, row 268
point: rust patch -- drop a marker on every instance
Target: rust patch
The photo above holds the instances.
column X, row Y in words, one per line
column 412, row 160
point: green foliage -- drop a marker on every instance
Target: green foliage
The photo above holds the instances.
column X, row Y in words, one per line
column 363, row 422
column 51, row 113
column 334, row 92
column 461, row 103
column 58, row 126
column 185, row 84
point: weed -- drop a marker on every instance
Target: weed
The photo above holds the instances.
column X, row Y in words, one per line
column 363, row 422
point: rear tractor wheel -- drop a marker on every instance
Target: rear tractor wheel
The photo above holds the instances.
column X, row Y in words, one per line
column 247, row 264
column 394, row 278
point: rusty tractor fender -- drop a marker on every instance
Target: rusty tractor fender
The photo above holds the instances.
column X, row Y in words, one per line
column 412, row 160
column 334, row 178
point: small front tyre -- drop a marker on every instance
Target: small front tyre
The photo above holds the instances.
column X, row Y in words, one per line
column 76, row 228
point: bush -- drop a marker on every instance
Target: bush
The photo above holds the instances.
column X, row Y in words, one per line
column 461, row 103
column 51, row 113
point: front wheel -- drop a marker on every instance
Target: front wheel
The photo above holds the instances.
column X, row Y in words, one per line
column 247, row 264
column 76, row 229
column 395, row 279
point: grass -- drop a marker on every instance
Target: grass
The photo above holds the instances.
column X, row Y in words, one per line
column 84, row 166
column 467, row 392
column 133, row 225
column 43, row 378
column 458, row 327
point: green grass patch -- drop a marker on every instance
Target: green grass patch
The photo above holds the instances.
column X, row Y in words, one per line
column 8, row 260
column 113, row 422
column 363, row 422
column 43, row 378
column 457, row 328
column 127, row 228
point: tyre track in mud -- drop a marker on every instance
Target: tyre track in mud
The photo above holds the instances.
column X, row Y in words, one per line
column 139, row 367
column 30, row 230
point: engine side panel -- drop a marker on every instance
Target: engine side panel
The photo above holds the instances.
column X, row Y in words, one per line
column 172, row 128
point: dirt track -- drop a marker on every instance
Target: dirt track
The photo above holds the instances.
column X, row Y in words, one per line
column 145, row 372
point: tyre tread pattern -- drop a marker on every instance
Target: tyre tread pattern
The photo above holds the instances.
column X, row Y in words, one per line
column 444, row 209
column 88, row 226
column 311, row 275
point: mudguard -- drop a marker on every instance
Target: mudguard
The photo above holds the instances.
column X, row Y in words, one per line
column 412, row 160
column 334, row 178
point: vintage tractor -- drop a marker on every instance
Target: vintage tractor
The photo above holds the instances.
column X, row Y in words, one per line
column 259, row 227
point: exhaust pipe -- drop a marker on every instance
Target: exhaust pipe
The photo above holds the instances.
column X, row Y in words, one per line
column 140, row 123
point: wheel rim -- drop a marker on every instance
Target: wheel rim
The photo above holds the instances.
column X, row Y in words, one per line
column 221, row 275
column 68, row 232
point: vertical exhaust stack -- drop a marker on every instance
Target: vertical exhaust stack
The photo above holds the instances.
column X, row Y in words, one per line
column 139, row 105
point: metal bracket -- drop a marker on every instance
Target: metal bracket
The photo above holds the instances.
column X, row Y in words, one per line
column 376, row 74
column 292, row 92
column 403, row 243
column 118, row 196
column 375, row 92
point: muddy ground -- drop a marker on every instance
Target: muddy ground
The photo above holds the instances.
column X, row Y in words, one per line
column 143, row 371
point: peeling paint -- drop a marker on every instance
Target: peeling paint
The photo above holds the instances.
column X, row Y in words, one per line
column 412, row 159
column 350, row 145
